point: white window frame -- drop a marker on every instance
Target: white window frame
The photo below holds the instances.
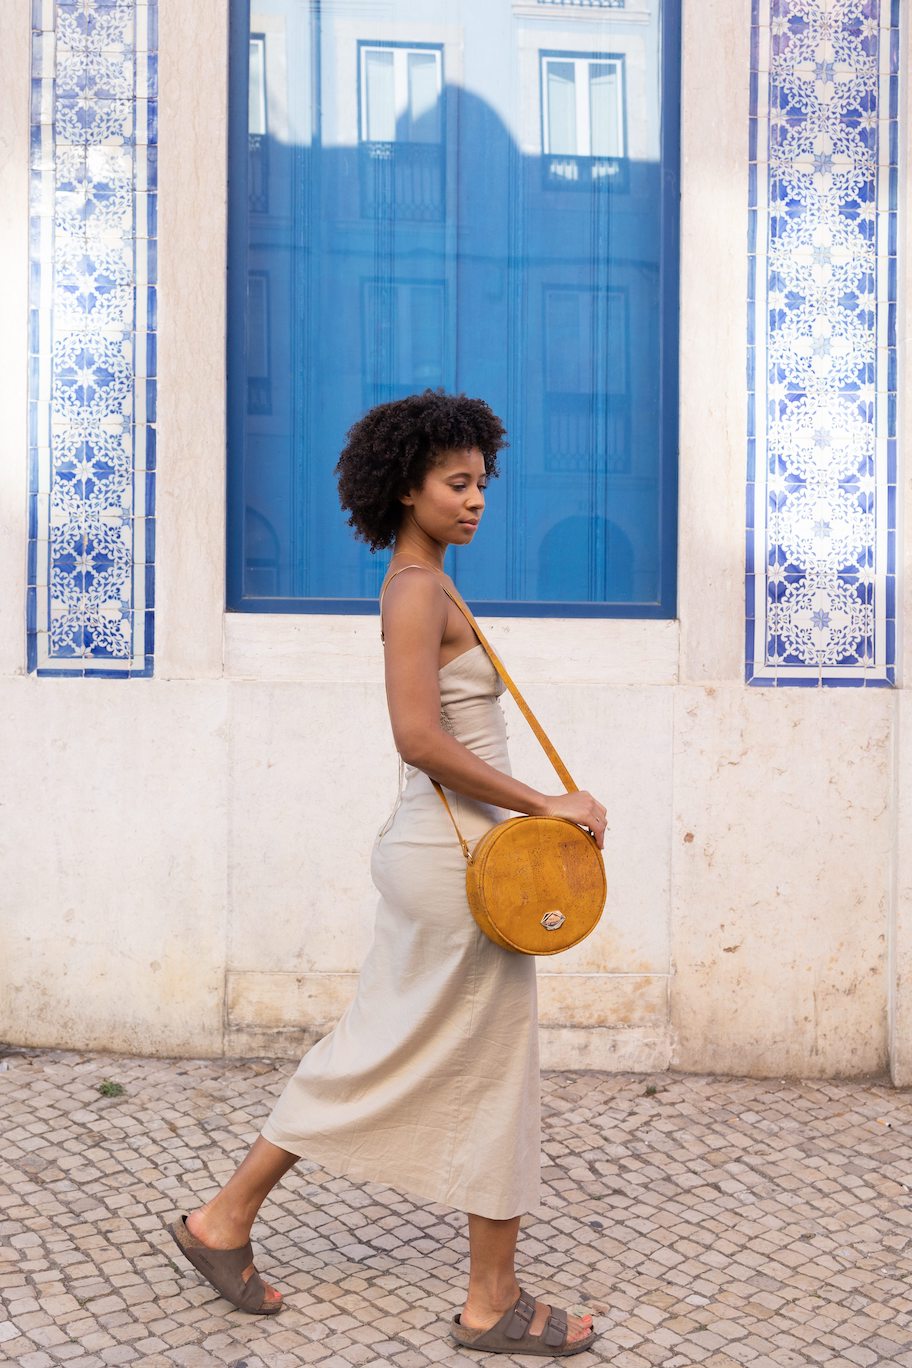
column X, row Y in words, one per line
column 400, row 80
column 581, row 77
column 256, row 95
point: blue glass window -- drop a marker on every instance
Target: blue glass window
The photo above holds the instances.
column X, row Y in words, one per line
column 479, row 197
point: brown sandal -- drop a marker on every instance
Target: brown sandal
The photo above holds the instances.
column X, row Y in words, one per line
column 510, row 1335
column 223, row 1269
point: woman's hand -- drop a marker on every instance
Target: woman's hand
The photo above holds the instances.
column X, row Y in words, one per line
column 581, row 808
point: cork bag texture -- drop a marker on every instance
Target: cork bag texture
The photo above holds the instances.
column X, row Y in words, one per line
column 536, row 884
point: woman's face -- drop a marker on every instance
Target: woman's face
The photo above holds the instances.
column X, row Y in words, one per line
column 449, row 505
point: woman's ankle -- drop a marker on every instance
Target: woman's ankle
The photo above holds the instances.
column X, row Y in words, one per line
column 216, row 1224
column 489, row 1299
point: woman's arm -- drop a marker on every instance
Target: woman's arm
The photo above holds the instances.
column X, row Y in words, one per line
column 414, row 622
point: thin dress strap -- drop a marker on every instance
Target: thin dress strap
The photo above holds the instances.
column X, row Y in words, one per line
column 416, row 565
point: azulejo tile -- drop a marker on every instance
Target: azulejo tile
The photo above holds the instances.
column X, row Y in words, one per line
column 820, row 422
column 91, row 530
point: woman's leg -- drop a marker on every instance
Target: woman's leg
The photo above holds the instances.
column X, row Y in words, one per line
column 225, row 1222
column 492, row 1279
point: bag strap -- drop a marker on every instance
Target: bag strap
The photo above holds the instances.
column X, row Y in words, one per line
column 561, row 769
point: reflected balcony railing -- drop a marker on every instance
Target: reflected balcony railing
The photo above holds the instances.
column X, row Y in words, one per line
column 403, row 180
column 258, row 174
column 583, row 430
column 586, row 4
column 585, row 173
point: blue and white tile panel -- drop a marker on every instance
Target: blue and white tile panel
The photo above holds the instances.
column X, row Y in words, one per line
column 822, row 480
column 92, row 334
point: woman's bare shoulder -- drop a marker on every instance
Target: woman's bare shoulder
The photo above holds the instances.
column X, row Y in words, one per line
column 427, row 582
column 414, row 596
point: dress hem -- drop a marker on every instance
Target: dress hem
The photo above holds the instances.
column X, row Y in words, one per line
column 359, row 1173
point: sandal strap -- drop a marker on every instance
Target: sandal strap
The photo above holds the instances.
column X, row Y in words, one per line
column 223, row 1269
column 226, row 1276
column 555, row 1331
column 510, row 1335
column 253, row 1296
column 521, row 1319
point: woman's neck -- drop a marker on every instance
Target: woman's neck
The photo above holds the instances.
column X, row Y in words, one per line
column 420, row 551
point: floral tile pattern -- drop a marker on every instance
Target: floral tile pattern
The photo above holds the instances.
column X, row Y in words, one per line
column 821, row 498
column 92, row 320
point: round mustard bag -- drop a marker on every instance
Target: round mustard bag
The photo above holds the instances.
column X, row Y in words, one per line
column 534, row 884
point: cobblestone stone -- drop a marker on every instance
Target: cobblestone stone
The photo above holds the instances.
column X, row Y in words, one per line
column 727, row 1223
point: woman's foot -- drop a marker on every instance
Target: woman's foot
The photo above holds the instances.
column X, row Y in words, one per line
column 216, row 1230
column 480, row 1313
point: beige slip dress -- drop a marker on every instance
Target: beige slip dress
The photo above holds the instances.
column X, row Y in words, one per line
column 430, row 1081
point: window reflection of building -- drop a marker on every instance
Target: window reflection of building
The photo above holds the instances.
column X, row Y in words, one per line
column 586, row 404
column 583, row 4
column 403, row 337
column 564, row 574
column 259, row 384
column 402, row 154
column 436, row 214
column 582, row 117
column 258, row 182
column 400, row 94
column 262, row 544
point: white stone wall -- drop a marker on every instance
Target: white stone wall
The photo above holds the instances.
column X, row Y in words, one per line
column 184, row 859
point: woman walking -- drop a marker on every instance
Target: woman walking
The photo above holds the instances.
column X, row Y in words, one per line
column 429, row 1082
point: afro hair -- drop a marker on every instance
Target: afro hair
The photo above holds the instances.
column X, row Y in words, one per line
column 390, row 450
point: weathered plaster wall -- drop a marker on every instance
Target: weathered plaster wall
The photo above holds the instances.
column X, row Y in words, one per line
column 781, row 880
column 113, row 845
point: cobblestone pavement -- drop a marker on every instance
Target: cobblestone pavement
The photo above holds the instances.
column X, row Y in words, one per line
column 702, row 1220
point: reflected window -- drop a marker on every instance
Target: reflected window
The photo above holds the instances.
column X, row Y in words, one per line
column 582, row 426
column 403, row 338
column 400, row 132
column 256, row 111
column 256, row 125
column 481, row 198
column 259, row 391
column 582, row 116
column 400, row 94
